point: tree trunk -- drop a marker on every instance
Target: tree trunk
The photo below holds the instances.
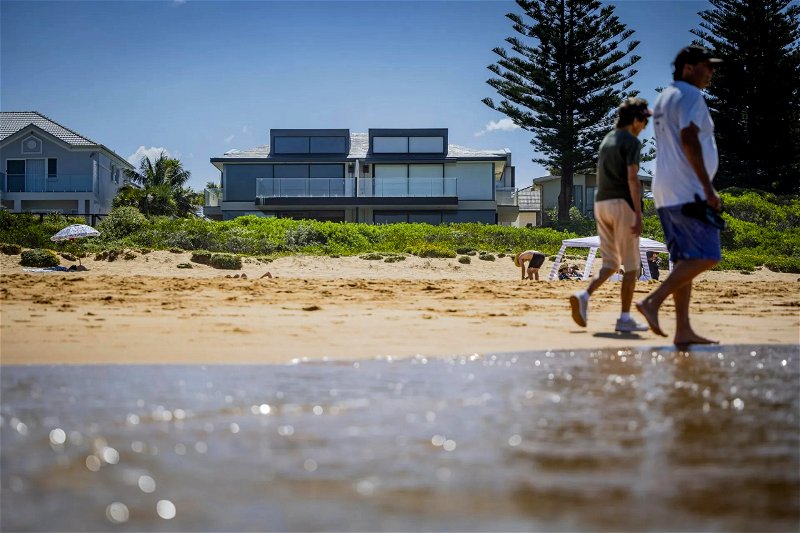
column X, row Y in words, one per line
column 565, row 198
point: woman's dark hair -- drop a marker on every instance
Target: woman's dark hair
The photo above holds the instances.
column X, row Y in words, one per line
column 630, row 109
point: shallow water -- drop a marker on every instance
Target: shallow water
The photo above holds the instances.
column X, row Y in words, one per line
column 632, row 440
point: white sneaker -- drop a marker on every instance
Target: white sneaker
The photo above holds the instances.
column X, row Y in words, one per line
column 580, row 308
column 630, row 325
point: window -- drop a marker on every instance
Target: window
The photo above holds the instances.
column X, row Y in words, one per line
column 390, row 145
column 15, row 175
column 577, row 197
column 291, row 145
column 327, row 145
column 52, row 169
column 15, row 167
column 426, row 145
column 590, row 200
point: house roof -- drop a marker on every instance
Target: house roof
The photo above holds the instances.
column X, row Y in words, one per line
column 359, row 148
column 12, row 122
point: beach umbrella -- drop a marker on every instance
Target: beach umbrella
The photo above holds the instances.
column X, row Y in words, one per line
column 73, row 232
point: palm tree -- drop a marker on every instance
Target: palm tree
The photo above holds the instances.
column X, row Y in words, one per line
column 162, row 188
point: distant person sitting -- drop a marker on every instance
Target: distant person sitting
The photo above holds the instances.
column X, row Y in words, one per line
column 535, row 261
column 652, row 264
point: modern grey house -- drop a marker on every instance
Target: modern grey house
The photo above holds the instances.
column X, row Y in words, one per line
column 47, row 167
column 384, row 176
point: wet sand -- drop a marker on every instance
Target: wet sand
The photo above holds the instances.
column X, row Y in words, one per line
column 146, row 310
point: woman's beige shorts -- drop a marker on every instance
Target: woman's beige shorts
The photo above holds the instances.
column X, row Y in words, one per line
column 617, row 244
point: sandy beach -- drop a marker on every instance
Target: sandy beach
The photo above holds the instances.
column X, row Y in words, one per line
column 146, row 310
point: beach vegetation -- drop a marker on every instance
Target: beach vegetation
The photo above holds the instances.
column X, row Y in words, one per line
column 226, row 261
column 394, row 259
column 486, row 257
column 121, row 222
column 32, row 231
column 184, row 265
column 763, row 230
column 464, row 259
column 201, row 256
column 161, row 188
column 10, row 249
column 39, row 257
column 371, row 257
column 109, row 255
column 430, row 250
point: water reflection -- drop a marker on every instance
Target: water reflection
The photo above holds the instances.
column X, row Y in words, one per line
column 612, row 439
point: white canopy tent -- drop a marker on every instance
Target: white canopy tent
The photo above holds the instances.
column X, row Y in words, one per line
column 593, row 244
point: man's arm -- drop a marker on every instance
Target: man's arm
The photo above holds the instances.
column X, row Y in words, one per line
column 636, row 195
column 690, row 142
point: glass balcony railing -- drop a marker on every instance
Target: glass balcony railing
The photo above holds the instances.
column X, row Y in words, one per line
column 506, row 196
column 212, row 197
column 407, row 187
column 304, row 187
column 61, row 183
column 352, row 187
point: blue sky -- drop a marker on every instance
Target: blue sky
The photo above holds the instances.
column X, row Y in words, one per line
column 198, row 78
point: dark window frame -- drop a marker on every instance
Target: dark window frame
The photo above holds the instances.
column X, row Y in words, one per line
column 52, row 172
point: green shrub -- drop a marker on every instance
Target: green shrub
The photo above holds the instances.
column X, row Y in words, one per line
column 10, row 249
column 129, row 255
column 185, row 265
column 121, row 222
column 226, row 261
column 501, row 255
column 394, row 258
column 464, row 259
column 371, row 257
column 463, row 250
column 304, row 235
column 176, row 250
column 109, row 255
column 201, row 256
column 431, row 251
column 68, row 256
column 39, row 257
column 486, row 257
column 784, row 264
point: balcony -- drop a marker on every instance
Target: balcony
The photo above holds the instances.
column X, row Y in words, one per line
column 61, row 183
column 407, row 187
column 356, row 187
column 506, row 196
column 304, row 187
column 212, row 197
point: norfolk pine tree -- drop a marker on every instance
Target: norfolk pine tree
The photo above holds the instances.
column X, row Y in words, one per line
column 754, row 96
column 568, row 72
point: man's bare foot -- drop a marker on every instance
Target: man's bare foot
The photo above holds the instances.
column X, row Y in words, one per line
column 685, row 339
column 651, row 316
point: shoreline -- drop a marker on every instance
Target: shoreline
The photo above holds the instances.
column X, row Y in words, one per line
column 147, row 311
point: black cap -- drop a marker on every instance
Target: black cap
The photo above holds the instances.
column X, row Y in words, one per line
column 694, row 54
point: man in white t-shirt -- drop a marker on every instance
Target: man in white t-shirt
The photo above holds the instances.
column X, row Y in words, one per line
column 686, row 162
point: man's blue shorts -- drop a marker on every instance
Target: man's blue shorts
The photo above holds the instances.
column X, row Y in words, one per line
column 687, row 237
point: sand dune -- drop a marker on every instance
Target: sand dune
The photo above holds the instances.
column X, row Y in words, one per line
column 146, row 310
